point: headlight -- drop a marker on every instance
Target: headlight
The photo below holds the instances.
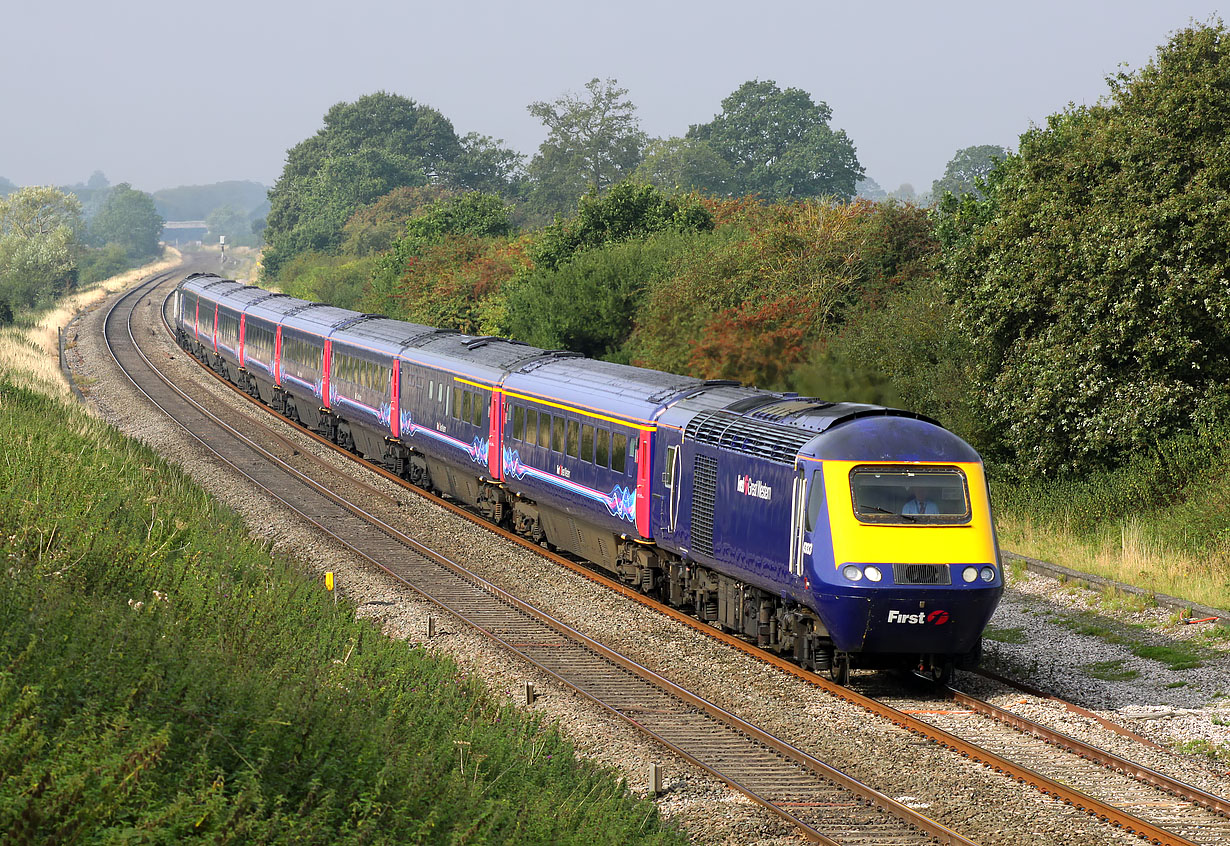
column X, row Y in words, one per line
column 988, row 574
column 969, row 574
column 851, row 572
column 873, row 574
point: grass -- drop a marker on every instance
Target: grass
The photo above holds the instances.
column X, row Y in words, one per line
column 1161, row 522
column 1014, row 634
column 1110, row 671
column 1215, row 751
column 1177, row 655
column 161, row 677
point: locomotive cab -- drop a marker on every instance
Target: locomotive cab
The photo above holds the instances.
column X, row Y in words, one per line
column 898, row 544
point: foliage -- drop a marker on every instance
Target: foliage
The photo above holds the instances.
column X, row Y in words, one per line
column 339, row 280
column 95, row 265
column 593, row 142
column 588, row 303
column 166, row 679
column 629, row 210
column 779, row 144
column 128, row 218
column 365, row 149
column 967, row 171
column 234, row 225
column 484, row 164
column 374, row 228
column 6, row 187
column 39, row 228
column 1092, row 277
column 752, row 301
column 195, row 202
column 687, row 165
column 453, row 282
column 39, row 210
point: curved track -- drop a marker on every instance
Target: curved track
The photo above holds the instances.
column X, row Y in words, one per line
column 827, row 805
column 1171, row 816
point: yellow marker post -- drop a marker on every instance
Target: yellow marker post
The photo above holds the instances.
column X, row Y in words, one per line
column 329, row 585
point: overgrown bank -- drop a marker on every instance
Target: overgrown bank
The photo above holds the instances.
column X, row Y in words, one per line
column 162, row 680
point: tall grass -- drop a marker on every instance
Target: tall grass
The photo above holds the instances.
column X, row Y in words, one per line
column 1161, row 521
column 161, row 678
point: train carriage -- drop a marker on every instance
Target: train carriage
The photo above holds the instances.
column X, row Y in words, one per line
column 848, row 535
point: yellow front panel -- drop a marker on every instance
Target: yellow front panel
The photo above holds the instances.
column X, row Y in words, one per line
column 865, row 543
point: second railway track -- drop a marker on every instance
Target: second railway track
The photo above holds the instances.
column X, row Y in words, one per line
column 786, row 787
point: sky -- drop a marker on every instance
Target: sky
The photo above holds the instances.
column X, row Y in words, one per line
column 160, row 94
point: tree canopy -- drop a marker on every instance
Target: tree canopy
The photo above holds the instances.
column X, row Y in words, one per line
column 128, row 218
column 38, row 245
column 364, row 150
column 593, row 142
column 779, row 144
column 682, row 164
column 968, row 170
column 1092, row 276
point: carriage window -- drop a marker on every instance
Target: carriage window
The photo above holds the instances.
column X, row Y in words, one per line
column 815, row 499
column 587, row 442
column 619, row 452
column 531, row 426
column 557, row 433
column 477, row 410
column 906, row 495
column 603, row 458
column 518, row 423
column 573, row 426
column 544, row 429
column 465, row 404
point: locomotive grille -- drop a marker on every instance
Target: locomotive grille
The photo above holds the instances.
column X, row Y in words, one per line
column 704, row 491
column 922, row 574
column 772, row 441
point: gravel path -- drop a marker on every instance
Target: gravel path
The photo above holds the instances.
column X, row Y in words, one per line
column 961, row 794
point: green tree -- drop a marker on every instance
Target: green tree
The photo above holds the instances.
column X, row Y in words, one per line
column 39, row 229
column 374, row 228
column 780, row 145
column 593, row 142
column 1092, row 276
column 365, row 149
column 967, row 171
column 629, row 210
column 128, row 218
column 682, row 164
column 484, row 164
column 232, row 223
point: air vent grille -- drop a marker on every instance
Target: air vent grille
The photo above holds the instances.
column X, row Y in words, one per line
column 922, row 574
column 749, row 437
column 704, row 493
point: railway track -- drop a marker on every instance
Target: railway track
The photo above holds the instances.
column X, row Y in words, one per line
column 1161, row 810
column 825, row 804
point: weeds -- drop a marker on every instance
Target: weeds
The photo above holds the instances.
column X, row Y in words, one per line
column 1014, row 634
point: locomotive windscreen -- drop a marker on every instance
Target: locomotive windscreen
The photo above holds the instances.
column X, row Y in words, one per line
column 900, row 495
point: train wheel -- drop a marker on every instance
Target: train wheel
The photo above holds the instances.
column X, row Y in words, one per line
column 840, row 670
column 941, row 672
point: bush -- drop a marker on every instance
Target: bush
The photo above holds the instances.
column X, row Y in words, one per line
column 1092, row 277
column 338, row 280
column 103, row 263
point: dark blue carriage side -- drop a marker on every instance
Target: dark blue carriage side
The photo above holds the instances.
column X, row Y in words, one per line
column 301, row 359
column 580, row 444
column 364, row 367
column 450, row 383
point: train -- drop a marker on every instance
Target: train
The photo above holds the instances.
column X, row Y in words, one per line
column 841, row 535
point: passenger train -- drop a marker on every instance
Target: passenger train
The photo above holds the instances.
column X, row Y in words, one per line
column 844, row 535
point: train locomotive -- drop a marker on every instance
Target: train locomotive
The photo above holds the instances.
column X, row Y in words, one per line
column 841, row 534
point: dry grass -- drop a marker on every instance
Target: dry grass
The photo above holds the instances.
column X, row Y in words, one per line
column 1127, row 555
column 29, row 355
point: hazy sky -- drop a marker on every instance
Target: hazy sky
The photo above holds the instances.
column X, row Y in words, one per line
column 165, row 93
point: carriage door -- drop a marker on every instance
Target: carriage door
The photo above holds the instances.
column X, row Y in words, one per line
column 798, row 519
column 672, row 480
